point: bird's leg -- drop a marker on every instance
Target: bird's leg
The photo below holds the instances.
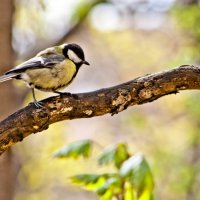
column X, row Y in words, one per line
column 66, row 93
column 36, row 103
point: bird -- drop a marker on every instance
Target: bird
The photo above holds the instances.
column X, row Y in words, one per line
column 50, row 70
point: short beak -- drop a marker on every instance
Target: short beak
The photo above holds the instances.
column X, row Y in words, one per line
column 85, row 62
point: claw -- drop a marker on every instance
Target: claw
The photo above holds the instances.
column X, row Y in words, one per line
column 38, row 104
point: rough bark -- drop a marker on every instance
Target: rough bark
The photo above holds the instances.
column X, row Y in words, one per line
column 109, row 100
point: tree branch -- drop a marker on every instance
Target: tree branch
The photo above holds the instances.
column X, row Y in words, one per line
column 109, row 100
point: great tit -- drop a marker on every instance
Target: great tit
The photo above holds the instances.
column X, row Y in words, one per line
column 50, row 70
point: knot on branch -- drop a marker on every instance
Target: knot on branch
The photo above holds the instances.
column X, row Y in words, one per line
column 121, row 102
column 145, row 93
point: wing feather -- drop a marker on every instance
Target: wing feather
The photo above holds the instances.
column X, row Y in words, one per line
column 36, row 63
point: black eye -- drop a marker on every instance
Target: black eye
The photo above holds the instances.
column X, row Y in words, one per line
column 76, row 49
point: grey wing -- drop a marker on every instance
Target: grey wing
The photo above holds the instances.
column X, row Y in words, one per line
column 36, row 63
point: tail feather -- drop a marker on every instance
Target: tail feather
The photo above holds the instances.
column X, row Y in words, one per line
column 7, row 77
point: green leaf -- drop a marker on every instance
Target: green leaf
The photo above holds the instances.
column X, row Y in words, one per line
column 89, row 181
column 75, row 150
column 129, row 193
column 116, row 154
column 93, row 182
column 137, row 171
column 105, row 185
column 110, row 188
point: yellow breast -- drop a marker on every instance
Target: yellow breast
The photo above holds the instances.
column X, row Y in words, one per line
column 53, row 78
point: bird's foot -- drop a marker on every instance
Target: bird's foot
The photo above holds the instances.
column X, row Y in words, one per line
column 38, row 104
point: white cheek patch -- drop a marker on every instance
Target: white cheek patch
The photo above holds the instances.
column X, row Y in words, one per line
column 72, row 56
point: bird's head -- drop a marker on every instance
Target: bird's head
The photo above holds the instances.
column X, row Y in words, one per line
column 75, row 53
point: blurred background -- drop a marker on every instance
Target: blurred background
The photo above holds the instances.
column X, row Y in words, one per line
column 122, row 39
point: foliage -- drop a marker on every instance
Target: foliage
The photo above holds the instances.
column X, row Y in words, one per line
column 132, row 179
column 188, row 18
column 83, row 9
column 116, row 153
column 75, row 150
